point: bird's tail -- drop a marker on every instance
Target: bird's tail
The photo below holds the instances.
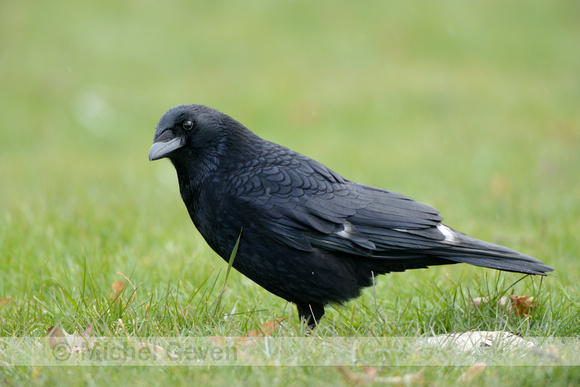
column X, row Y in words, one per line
column 466, row 249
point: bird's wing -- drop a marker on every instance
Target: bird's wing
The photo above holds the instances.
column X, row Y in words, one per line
column 301, row 203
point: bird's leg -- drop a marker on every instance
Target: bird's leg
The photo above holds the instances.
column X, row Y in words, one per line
column 310, row 314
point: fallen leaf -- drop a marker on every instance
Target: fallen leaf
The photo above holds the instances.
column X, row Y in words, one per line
column 117, row 289
column 250, row 338
column 219, row 341
column 118, row 286
column 267, row 329
column 472, row 372
column 522, row 305
column 61, row 340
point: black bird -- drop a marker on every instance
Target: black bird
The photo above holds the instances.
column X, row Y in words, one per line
column 308, row 235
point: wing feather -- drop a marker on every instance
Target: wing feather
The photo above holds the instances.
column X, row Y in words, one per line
column 301, row 203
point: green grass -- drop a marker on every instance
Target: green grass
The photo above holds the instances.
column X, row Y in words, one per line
column 469, row 107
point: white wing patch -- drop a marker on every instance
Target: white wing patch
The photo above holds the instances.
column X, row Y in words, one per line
column 447, row 232
column 347, row 231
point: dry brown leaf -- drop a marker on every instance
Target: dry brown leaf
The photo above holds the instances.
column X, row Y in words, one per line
column 117, row 288
column 472, row 372
column 521, row 305
column 218, row 341
column 61, row 340
column 267, row 329
column 127, row 279
column 250, row 338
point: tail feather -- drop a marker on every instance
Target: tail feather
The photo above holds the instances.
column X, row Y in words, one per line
column 466, row 249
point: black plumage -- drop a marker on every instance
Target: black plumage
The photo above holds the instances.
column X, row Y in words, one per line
column 309, row 235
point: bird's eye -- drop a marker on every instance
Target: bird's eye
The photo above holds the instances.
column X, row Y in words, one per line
column 188, row 125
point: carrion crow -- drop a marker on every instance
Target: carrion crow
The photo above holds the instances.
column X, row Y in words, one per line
column 309, row 235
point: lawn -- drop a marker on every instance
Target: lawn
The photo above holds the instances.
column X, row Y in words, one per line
column 471, row 108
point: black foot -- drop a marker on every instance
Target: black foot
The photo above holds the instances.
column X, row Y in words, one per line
column 310, row 313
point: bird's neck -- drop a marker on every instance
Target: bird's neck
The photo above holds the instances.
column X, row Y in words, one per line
column 192, row 174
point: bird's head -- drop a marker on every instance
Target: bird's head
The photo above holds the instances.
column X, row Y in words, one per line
column 187, row 130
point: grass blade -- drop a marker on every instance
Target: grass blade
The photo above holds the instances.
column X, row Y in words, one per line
column 230, row 263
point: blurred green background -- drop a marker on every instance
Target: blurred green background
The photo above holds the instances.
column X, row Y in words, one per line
column 471, row 107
